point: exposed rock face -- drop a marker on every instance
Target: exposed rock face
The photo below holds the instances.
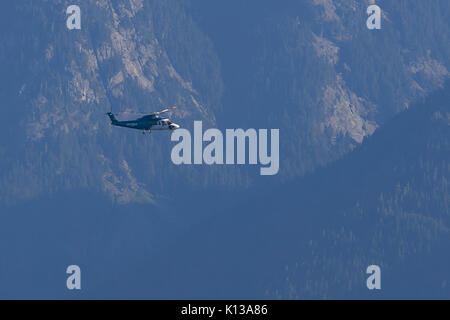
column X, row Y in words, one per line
column 106, row 61
column 318, row 73
column 116, row 61
column 345, row 113
column 430, row 68
column 326, row 49
column 328, row 8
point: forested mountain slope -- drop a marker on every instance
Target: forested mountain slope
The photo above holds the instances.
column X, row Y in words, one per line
column 386, row 203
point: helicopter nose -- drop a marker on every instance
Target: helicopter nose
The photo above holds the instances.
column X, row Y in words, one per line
column 174, row 126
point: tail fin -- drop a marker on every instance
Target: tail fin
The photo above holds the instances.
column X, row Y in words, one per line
column 112, row 117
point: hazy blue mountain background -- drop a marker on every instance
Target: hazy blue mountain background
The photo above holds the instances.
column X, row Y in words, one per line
column 386, row 202
column 363, row 118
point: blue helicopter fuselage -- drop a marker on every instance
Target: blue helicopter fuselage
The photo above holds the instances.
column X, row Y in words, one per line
column 146, row 123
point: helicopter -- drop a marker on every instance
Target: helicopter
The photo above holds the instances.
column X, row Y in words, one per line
column 147, row 123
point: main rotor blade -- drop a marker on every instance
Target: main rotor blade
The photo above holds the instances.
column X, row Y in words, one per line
column 146, row 113
column 166, row 110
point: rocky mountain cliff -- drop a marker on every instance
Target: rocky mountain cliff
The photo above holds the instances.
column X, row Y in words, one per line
column 313, row 68
column 57, row 84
